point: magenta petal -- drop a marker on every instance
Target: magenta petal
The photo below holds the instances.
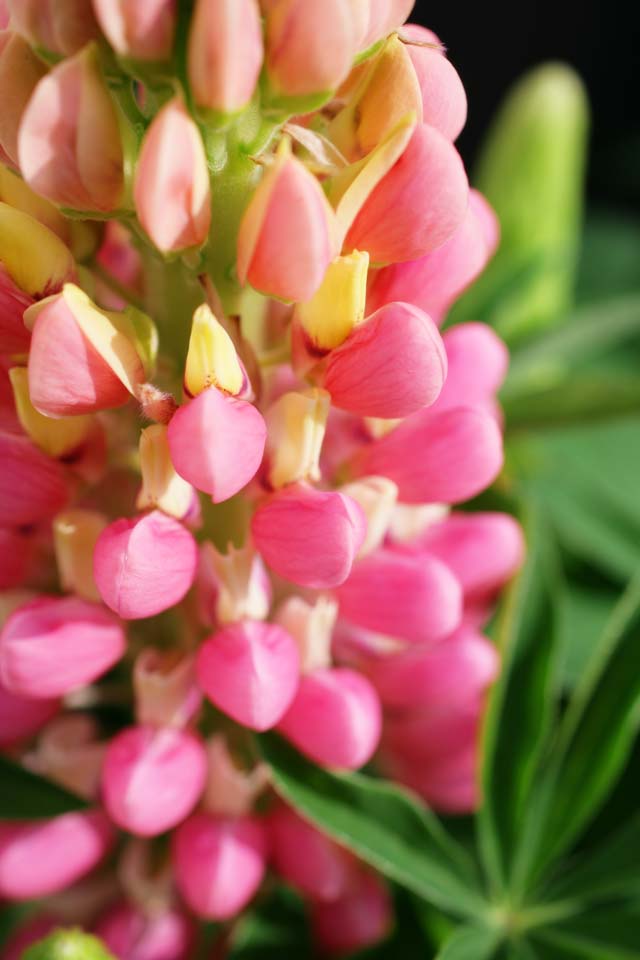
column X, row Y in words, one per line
column 437, row 457
column 32, row 486
column 306, row 858
column 478, row 361
column 335, row 718
column 250, row 671
column 145, row 565
column 391, row 365
column 44, row 857
column 128, row 930
column 53, row 645
column 22, row 716
column 217, row 442
column 152, row 778
column 309, row 536
column 219, row 863
column 415, row 598
column 359, row 919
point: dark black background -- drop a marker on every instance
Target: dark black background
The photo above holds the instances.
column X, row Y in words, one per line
column 493, row 43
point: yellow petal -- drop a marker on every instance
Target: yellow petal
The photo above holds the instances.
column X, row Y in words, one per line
column 211, row 359
column 162, row 487
column 296, row 423
column 74, row 538
column 339, row 304
column 35, row 258
column 55, row 436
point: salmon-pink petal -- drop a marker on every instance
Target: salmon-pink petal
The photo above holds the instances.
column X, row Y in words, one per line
column 417, row 206
column 219, row 863
column 142, row 29
column 309, row 536
column 390, row 366
column 437, row 457
column 415, row 598
column 52, row 645
column 444, row 101
column 250, row 671
column 225, row 53
column 152, row 778
column 145, row 565
column 216, row 443
column 335, row 718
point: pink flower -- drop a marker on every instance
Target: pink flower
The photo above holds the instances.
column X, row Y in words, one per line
column 21, row 717
column 172, row 181
column 32, row 486
column 391, row 365
column 478, row 361
column 152, row 778
column 309, row 536
column 130, row 931
column 16, row 557
column 417, row 205
column 225, row 53
column 444, row 100
column 381, row 17
column 437, row 457
column 144, row 565
column 71, row 115
column 217, row 442
column 219, row 863
column 287, row 234
column 250, row 671
column 141, row 29
column 60, row 26
column 335, row 718
column 64, row 849
column 359, row 919
column 52, row 645
column 20, row 71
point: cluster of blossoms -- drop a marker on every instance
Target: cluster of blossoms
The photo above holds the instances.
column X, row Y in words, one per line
column 242, row 223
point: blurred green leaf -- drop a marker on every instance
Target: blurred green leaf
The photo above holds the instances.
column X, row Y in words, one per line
column 471, row 943
column 584, row 613
column 521, row 705
column 605, row 933
column 27, row 796
column 382, row 824
column 68, row 945
column 610, row 257
column 275, row 928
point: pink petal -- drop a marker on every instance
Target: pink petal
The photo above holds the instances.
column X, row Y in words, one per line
column 53, row 645
column 335, row 718
column 14, row 336
column 152, row 778
column 21, row 717
column 217, row 442
column 250, row 671
column 145, row 565
column 478, row 361
column 309, row 536
column 391, row 365
column 358, row 920
column 444, row 101
column 225, row 53
column 32, row 486
column 128, row 930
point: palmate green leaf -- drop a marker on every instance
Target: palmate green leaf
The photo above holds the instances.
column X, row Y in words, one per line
column 594, row 742
column 521, row 704
column 604, row 933
column 382, row 824
column 471, row 943
column 27, row 796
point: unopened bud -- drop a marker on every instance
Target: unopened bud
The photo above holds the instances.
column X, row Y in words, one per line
column 162, row 487
column 55, row 436
column 296, row 423
column 140, row 29
column 231, row 791
column 212, row 360
column 75, row 533
column 20, row 71
column 234, row 585
column 165, row 688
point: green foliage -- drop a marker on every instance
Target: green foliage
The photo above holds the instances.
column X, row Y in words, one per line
column 26, row 796
column 68, row 945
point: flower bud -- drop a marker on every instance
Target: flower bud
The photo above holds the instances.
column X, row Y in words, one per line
column 433, row 282
column 171, row 187
column 219, row 863
column 484, row 550
column 295, row 431
column 311, row 626
column 224, row 53
column 250, row 671
column 21, row 717
column 383, row 16
column 65, row 848
column 287, row 236
column 309, row 536
column 166, row 692
column 437, row 457
column 337, row 306
column 478, row 361
column 212, row 360
column 55, row 437
column 377, row 496
column 417, row 205
column 71, row 114
column 130, row 931
column 144, row 565
column 152, row 778
column 355, row 921
column 75, row 533
column 53, row 645
column 388, row 91
column 231, row 791
column 310, row 47
column 32, row 487
column 216, row 443
column 335, row 718
column 162, row 487
column 390, row 366
column 233, row 585
column 307, row 859
column 20, row 71
column 413, row 598
column 82, row 359
column 56, row 26
column 140, row 29
column 444, row 101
